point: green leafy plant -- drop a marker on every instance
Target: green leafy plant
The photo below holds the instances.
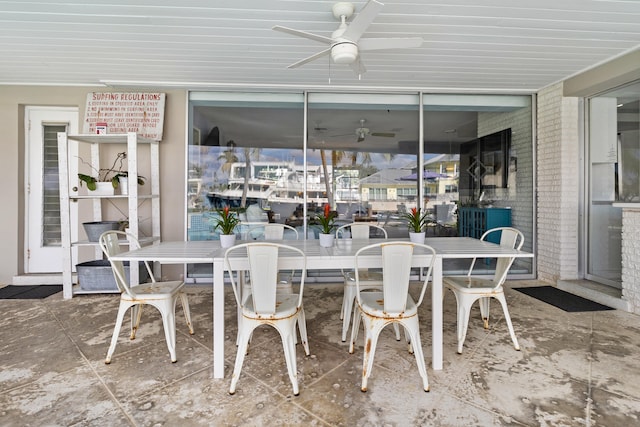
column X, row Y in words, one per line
column 416, row 220
column 327, row 219
column 227, row 221
column 111, row 174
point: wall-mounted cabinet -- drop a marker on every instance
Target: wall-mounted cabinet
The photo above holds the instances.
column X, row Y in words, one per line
column 129, row 204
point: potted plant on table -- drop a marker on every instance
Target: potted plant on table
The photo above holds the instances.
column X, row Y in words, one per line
column 227, row 224
column 326, row 221
column 416, row 221
column 106, row 180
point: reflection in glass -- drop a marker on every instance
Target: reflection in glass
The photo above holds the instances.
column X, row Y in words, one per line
column 358, row 142
column 247, row 151
column 614, row 165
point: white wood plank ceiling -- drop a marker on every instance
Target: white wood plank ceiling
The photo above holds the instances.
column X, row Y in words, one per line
column 484, row 45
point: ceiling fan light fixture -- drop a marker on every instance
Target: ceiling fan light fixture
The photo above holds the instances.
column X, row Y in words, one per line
column 344, row 52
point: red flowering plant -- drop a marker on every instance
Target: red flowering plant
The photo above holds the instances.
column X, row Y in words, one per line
column 415, row 220
column 326, row 220
column 227, row 221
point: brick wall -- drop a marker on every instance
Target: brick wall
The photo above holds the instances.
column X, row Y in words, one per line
column 558, row 167
column 631, row 258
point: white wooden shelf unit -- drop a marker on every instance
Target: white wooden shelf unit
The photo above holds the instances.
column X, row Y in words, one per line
column 133, row 201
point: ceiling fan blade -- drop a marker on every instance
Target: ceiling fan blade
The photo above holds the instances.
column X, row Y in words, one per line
column 383, row 134
column 306, row 35
column 361, row 22
column 390, row 43
column 358, row 67
column 310, row 58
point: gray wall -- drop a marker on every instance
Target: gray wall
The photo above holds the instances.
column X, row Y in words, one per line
column 13, row 99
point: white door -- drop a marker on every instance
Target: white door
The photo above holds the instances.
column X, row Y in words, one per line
column 43, row 253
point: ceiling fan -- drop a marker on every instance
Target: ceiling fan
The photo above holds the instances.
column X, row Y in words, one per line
column 362, row 132
column 345, row 43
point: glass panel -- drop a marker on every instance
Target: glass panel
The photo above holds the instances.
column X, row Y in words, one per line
column 50, row 187
column 473, row 145
column 245, row 153
column 614, row 165
column 360, row 147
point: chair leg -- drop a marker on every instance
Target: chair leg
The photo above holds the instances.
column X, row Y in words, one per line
column 167, row 310
column 372, row 329
column 344, row 302
column 243, row 342
column 503, row 302
column 355, row 327
column 136, row 315
column 302, row 326
column 464, row 310
column 485, row 309
column 347, row 309
column 186, row 310
column 396, row 329
column 116, row 330
column 413, row 329
column 287, row 331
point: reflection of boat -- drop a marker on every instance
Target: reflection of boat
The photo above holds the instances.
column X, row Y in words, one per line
column 280, row 187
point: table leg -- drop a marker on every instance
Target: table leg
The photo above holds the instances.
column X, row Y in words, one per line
column 436, row 309
column 218, row 319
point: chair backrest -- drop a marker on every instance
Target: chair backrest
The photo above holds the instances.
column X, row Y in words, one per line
column 361, row 230
column 275, row 231
column 110, row 242
column 396, row 260
column 263, row 260
column 510, row 238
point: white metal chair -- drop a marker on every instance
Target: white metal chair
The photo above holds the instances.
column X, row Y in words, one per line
column 392, row 305
column 469, row 289
column 273, row 231
column 369, row 279
column 265, row 306
column 161, row 295
column 269, row 231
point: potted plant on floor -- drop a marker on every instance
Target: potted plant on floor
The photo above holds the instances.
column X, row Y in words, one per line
column 326, row 221
column 106, row 180
column 416, row 222
column 227, row 223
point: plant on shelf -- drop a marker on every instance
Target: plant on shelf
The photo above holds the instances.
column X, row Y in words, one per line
column 416, row 220
column 111, row 174
column 227, row 221
column 326, row 220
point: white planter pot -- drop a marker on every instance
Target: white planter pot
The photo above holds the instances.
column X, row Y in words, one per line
column 326, row 240
column 123, row 185
column 103, row 189
column 416, row 237
column 227, row 240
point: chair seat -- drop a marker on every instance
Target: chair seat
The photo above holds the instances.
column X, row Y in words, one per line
column 373, row 304
column 472, row 285
column 286, row 306
column 157, row 290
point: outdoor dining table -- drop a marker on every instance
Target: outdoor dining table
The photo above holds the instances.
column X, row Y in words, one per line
column 340, row 255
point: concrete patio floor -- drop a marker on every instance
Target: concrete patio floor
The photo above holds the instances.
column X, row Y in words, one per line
column 574, row 369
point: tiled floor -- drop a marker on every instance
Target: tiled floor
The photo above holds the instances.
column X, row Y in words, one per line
column 575, row 369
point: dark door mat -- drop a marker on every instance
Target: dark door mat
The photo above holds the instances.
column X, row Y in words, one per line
column 561, row 299
column 29, row 292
